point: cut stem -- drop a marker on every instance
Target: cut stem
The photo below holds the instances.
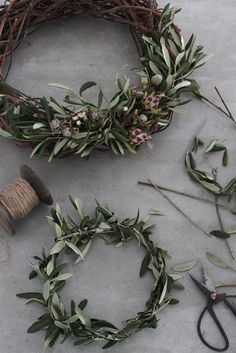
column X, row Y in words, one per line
column 222, row 228
column 227, row 113
column 181, row 193
column 225, row 285
column 189, row 219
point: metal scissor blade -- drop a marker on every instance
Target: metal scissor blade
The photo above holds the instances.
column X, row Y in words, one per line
column 208, row 281
column 201, row 286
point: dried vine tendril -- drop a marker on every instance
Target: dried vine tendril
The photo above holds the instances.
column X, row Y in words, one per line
column 133, row 114
column 77, row 239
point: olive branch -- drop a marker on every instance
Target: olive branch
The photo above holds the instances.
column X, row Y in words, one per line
column 77, row 238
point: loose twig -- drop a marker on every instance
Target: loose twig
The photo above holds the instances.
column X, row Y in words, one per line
column 181, row 193
column 222, row 227
column 227, row 113
column 180, row 211
column 225, row 285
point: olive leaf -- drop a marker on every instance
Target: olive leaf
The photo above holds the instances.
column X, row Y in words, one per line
column 217, row 146
column 218, row 262
column 154, row 212
column 220, row 234
column 185, row 266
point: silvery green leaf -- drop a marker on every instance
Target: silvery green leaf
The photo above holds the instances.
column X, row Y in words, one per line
column 57, row 247
column 169, row 81
column 46, row 290
column 179, row 58
column 114, row 102
column 163, row 294
column 225, row 158
column 214, row 143
column 154, row 212
column 59, row 85
column 4, row 133
column 72, row 319
column 50, row 266
column 78, row 204
column 84, row 252
column 218, row 262
column 51, row 337
column 30, row 295
column 59, row 145
column 56, row 107
column 211, row 186
column 36, row 149
column 75, row 249
column 36, row 269
column 185, row 266
column 126, row 86
column 62, row 277
column 80, row 315
column 38, row 126
column 55, row 300
column 154, row 68
column 104, row 226
column 182, row 84
column 60, row 325
column 165, row 53
column 58, row 230
column 203, row 60
column 175, row 277
column 155, row 272
column 231, row 230
column 86, row 86
column 175, row 36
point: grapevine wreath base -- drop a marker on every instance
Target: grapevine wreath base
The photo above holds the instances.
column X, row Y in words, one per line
column 133, row 114
column 76, row 239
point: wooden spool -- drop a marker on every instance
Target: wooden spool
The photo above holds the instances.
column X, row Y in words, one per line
column 40, row 189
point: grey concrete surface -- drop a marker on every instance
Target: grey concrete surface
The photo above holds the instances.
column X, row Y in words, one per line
column 84, row 49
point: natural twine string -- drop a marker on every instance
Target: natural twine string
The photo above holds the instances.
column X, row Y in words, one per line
column 19, row 198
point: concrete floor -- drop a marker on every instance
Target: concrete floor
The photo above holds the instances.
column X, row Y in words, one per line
column 84, row 49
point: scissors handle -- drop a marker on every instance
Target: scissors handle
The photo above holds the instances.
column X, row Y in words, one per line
column 209, row 308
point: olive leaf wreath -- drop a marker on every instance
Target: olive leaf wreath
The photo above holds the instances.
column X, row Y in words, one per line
column 134, row 113
column 77, row 239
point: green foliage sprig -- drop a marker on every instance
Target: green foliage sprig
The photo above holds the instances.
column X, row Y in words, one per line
column 128, row 120
column 77, row 238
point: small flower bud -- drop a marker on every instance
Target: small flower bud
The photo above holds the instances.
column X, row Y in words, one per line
column 125, row 109
column 95, row 116
column 55, row 123
column 139, row 94
column 156, row 80
column 66, row 132
column 143, row 118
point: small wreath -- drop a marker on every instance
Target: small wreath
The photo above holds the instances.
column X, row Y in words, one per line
column 77, row 239
column 133, row 114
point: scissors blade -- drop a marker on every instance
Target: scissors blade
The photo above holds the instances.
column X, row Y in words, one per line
column 208, row 281
column 201, row 286
column 230, row 305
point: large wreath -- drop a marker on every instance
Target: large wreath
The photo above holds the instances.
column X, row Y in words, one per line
column 77, row 239
column 133, row 114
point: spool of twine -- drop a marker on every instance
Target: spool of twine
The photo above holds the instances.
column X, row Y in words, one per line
column 19, row 198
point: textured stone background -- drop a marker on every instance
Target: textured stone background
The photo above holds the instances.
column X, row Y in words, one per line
column 71, row 53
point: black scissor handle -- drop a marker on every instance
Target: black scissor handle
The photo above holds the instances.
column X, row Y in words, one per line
column 209, row 308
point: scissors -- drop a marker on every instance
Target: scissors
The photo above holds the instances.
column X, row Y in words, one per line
column 208, row 289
